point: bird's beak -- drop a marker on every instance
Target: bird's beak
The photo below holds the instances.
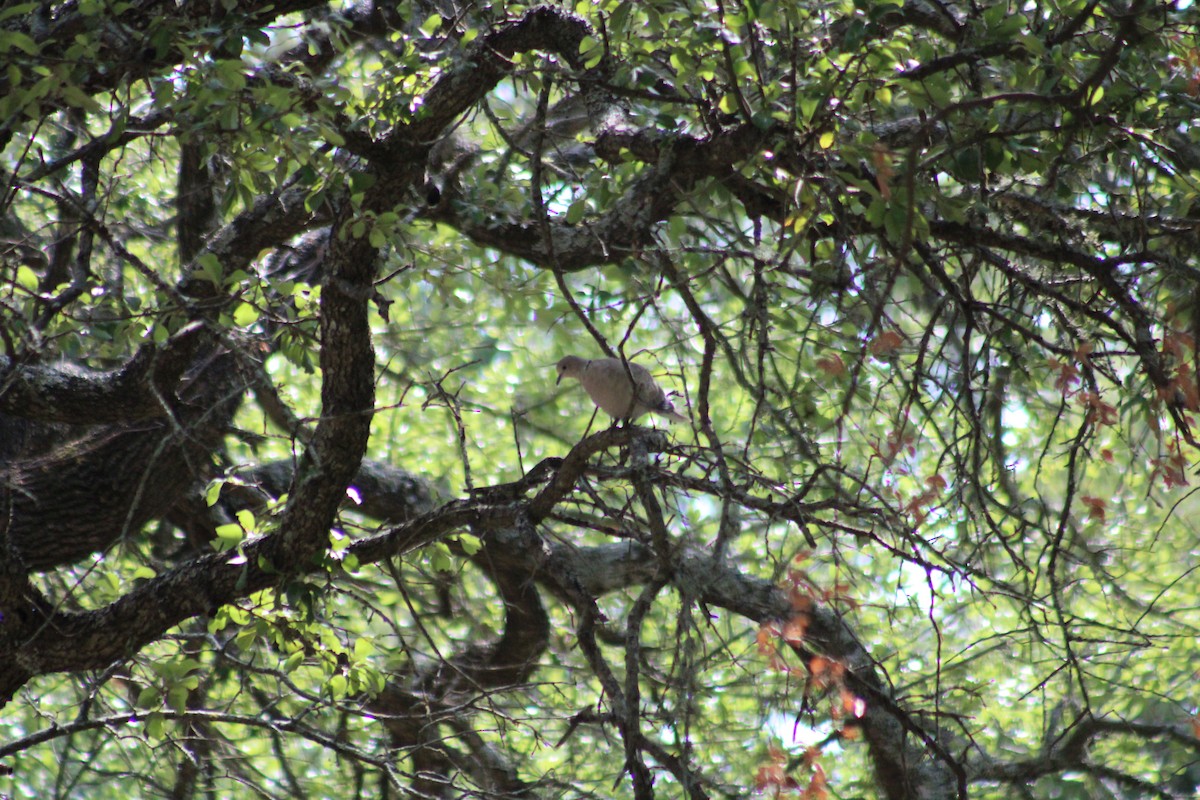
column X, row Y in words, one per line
column 558, row 380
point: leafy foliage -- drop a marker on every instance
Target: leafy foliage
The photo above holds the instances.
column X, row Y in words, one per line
column 293, row 505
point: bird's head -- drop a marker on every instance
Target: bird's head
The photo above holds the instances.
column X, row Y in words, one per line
column 569, row 367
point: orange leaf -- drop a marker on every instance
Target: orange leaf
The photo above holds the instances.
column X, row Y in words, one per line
column 852, row 704
column 794, row 629
column 817, row 787
column 1186, row 387
column 802, row 599
column 765, row 638
column 768, row 777
column 1177, row 344
column 886, row 343
column 1096, row 507
column 832, row 365
column 1067, row 374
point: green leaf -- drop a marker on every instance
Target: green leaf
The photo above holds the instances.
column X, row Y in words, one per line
column 76, row 97
column 576, row 211
column 245, row 315
column 10, row 40
column 363, row 648
column 245, row 518
column 592, row 51
column 149, row 697
column 177, row 698
column 231, row 73
column 27, row 279
column 431, row 25
column 17, row 10
column 293, row 661
column 361, row 181
column 230, row 533
column 209, row 268
column 440, row 557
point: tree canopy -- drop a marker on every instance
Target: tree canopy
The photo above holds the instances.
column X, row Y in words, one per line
column 291, row 504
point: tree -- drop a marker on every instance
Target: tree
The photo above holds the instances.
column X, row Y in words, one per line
column 293, row 506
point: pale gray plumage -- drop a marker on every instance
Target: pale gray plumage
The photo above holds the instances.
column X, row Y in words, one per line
column 607, row 383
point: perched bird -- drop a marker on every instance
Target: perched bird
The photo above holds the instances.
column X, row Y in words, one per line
column 607, row 383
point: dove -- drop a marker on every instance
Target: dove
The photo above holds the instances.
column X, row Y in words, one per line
column 607, row 383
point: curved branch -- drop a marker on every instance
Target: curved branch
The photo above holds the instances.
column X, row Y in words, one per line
column 116, row 721
column 124, row 47
column 680, row 163
column 1070, row 752
column 143, row 387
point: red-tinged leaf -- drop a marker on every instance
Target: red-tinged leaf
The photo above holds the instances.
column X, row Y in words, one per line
column 832, row 365
column 1196, row 726
column 854, row 705
column 801, row 598
column 1096, row 507
column 1107, row 455
column 798, row 578
column 1178, row 344
column 916, row 506
column 1172, row 469
column 818, row 788
column 1185, row 388
column 886, row 343
column 765, row 639
column 1068, row 374
column 1099, row 412
column 825, row 672
column 794, row 629
column 937, row 482
column 768, row 777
